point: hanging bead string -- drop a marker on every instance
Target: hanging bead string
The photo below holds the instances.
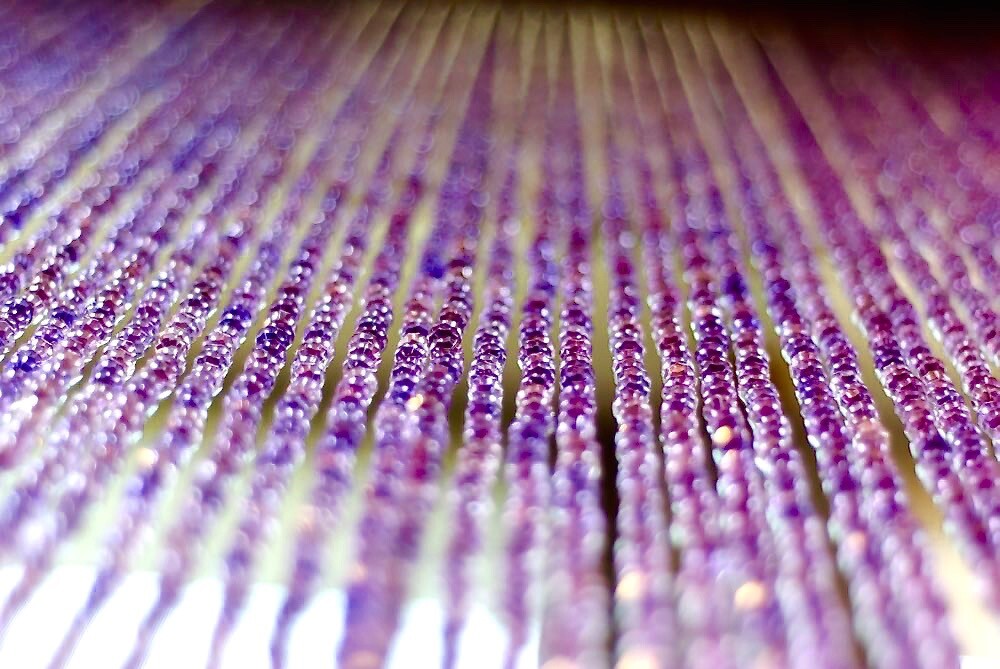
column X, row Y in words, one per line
column 293, row 412
column 140, row 156
column 21, row 201
column 40, row 66
column 643, row 592
column 240, row 556
column 974, row 213
column 346, row 418
column 693, row 504
column 962, row 85
column 86, row 67
column 968, row 456
column 87, row 45
column 223, row 461
column 96, row 115
column 979, row 384
column 73, row 226
column 804, row 558
column 206, row 290
column 913, row 181
column 18, row 314
column 161, row 162
column 529, row 436
column 576, row 518
column 479, row 458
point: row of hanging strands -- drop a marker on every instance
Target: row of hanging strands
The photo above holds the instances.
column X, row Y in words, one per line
column 473, row 335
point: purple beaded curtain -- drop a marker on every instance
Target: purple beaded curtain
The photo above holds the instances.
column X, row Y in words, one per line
column 485, row 335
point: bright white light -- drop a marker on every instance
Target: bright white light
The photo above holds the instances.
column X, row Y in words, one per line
column 183, row 638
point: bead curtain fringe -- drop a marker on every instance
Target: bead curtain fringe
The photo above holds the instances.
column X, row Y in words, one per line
column 494, row 336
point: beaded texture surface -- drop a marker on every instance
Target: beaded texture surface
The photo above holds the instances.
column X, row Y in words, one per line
column 478, row 336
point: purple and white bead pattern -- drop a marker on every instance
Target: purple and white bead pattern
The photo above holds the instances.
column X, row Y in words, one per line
column 323, row 291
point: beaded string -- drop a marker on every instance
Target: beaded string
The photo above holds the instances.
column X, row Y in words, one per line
column 88, row 44
column 910, row 181
column 691, row 499
column 970, row 202
column 828, row 642
column 950, row 410
column 17, row 314
column 275, row 458
column 836, row 351
column 978, row 383
column 576, row 518
column 529, row 435
column 97, row 114
column 34, row 184
column 76, row 222
column 479, row 458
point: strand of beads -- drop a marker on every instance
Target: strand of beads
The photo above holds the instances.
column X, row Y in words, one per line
column 643, row 592
column 240, row 557
column 894, row 211
column 784, row 265
column 69, row 232
column 526, row 469
column 909, row 182
column 979, row 384
column 147, row 152
column 17, row 314
column 99, row 113
column 916, row 382
column 163, row 217
column 961, row 190
column 479, row 458
column 22, row 200
column 693, row 505
column 43, row 62
column 951, row 414
column 577, row 518
column 86, row 62
column 89, row 50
